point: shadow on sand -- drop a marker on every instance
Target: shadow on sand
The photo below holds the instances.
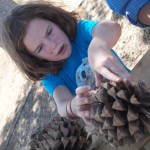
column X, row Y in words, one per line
column 33, row 112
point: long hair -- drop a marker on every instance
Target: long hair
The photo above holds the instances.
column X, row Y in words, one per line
column 14, row 30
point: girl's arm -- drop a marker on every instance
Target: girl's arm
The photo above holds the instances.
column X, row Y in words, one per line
column 80, row 104
column 102, row 61
column 61, row 96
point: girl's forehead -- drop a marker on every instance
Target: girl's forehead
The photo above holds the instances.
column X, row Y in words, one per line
column 35, row 32
column 38, row 20
column 37, row 25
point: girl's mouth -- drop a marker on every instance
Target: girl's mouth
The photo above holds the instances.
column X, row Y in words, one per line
column 62, row 49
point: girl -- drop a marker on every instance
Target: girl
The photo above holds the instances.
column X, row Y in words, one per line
column 48, row 43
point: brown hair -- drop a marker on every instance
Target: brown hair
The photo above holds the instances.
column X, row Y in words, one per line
column 14, row 30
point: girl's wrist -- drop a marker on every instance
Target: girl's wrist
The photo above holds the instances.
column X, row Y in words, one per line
column 69, row 111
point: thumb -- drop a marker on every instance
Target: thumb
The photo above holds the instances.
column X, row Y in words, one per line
column 98, row 79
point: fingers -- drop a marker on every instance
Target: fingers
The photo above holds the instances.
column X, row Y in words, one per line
column 98, row 79
column 109, row 75
column 82, row 101
column 91, row 92
column 112, row 70
column 119, row 70
column 83, row 114
column 83, row 91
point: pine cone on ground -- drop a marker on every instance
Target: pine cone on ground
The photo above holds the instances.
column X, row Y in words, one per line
column 121, row 111
column 61, row 134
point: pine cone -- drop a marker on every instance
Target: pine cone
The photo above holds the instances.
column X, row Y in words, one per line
column 61, row 134
column 121, row 111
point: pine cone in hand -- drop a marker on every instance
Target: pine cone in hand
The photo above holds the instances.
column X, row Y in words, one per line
column 121, row 111
column 61, row 134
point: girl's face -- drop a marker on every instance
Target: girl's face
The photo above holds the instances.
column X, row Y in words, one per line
column 46, row 40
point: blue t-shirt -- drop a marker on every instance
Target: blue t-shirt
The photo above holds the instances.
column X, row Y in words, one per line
column 128, row 8
column 67, row 75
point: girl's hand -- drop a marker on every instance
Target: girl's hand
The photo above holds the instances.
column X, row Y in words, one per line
column 102, row 61
column 105, row 64
column 81, row 103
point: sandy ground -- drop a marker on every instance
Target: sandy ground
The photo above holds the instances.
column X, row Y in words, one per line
column 14, row 88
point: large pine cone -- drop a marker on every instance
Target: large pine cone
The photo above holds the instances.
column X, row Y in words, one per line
column 61, row 134
column 121, row 111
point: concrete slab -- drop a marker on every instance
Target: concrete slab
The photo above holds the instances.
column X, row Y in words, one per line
column 142, row 69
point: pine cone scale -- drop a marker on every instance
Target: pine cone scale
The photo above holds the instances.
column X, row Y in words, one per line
column 123, row 113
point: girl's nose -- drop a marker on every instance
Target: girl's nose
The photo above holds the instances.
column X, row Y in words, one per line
column 50, row 45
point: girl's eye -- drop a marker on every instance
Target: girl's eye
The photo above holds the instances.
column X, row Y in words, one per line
column 49, row 32
column 40, row 49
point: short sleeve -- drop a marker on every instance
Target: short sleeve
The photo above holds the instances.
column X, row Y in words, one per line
column 128, row 8
column 50, row 82
column 85, row 29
